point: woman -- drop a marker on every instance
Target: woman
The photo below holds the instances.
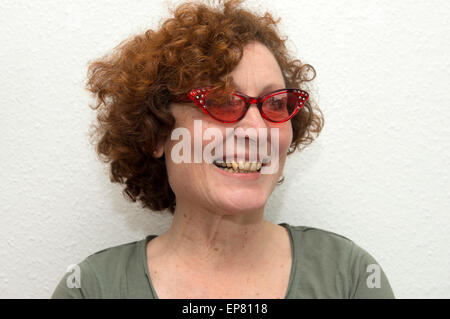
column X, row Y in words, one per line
column 200, row 72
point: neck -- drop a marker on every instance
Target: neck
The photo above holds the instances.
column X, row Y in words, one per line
column 217, row 240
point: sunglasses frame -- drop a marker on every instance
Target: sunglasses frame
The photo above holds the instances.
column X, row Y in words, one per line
column 198, row 97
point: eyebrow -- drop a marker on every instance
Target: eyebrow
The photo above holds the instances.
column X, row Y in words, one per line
column 267, row 89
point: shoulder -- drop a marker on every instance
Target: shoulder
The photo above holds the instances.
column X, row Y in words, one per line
column 100, row 272
column 321, row 242
column 332, row 245
column 114, row 257
column 333, row 258
column 319, row 233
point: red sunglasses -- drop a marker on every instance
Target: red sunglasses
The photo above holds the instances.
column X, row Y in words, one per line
column 277, row 106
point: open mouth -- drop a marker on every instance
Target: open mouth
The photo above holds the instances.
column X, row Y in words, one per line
column 239, row 167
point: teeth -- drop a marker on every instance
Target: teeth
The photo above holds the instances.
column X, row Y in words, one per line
column 239, row 166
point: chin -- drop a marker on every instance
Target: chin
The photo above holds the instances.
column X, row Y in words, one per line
column 243, row 201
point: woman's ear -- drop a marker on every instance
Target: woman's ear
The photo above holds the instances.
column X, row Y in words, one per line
column 159, row 151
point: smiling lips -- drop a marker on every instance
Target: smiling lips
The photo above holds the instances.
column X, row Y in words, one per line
column 239, row 167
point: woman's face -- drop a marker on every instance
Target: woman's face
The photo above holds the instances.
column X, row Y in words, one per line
column 204, row 184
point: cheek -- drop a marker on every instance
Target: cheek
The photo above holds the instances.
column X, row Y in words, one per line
column 181, row 177
column 288, row 137
column 285, row 138
column 187, row 179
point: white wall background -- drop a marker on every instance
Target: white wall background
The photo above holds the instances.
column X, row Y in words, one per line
column 378, row 174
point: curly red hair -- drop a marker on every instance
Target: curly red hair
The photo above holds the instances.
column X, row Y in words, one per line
column 135, row 84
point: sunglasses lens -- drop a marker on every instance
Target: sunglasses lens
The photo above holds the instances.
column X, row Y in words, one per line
column 280, row 106
column 277, row 107
column 224, row 107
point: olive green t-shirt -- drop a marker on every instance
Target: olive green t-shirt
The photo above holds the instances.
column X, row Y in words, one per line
column 324, row 265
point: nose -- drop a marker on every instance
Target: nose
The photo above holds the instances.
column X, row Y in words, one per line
column 253, row 117
column 253, row 121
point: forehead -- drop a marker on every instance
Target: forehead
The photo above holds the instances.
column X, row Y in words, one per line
column 258, row 71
